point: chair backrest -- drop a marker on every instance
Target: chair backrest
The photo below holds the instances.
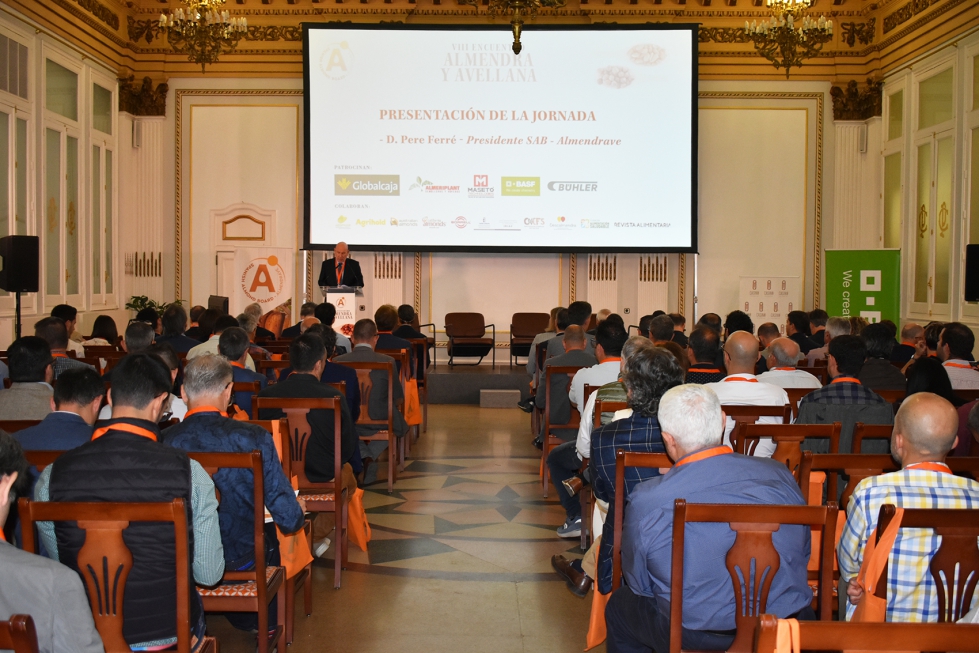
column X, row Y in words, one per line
column 419, row 347
column 41, row 459
column 954, row 567
column 364, row 370
column 820, row 372
column 465, row 325
column 745, row 436
column 528, row 325
column 863, row 432
column 795, row 396
column 105, row 561
column 297, row 414
column 18, row 634
column 966, row 395
column 606, row 407
column 275, row 366
column 625, row 459
column 752, row 561
column 589, row 389
column 967, row 466
column 856, row 467
column 751, row 414
column 551, row 371
column 891, row 636
column 891, row 396
column 284, row 442
column 403, row 358
column 14, row 425
column 252, row 387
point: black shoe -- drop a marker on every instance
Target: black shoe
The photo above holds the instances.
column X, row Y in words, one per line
column 526, row 406
column 537, row 442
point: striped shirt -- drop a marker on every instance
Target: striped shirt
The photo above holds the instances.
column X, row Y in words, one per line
column 911, row 592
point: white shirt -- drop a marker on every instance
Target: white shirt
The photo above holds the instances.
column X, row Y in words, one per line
column 961, row 374
column 178, row 409
column 790, row 378
column 750, row 392
column 210, row 346
column 604, row 372
column 77, row 348
column 817, row 354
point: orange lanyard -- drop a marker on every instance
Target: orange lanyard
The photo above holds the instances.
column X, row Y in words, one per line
column 128, row 428
column 340, row 273
column 959, row 366
column 704, row 455
column 703, row 371
column 238, row 365
column 941, row 468
column 783, row 369
column 738, row 378
column 845, row 379
column 907, row 343
column 1, row 535
column 612, row 360
column 205, row 409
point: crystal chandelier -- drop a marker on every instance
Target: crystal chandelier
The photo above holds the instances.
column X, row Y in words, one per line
column 517, row 10
column 203, row 30
column 789, row 36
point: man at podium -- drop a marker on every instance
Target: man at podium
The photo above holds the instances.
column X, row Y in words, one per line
column 341, row 270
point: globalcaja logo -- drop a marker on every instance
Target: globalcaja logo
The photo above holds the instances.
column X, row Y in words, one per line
column 481, row 188
column 573, row 186
column 461, row 222
column 426, row 186
column 520, row 186
column 337, row 60
column 367, row 184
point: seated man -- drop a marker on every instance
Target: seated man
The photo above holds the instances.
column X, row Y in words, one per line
column 77, row 397
column 255, row 310
column 306, row 310
column 610, row 335
column 797, row 328
column 30, row 584
column 782, row 370
column 69, row 315
column 579, row 314
column 817, row 326
column 386, row 319
column 912, row 341
column 126, row 462
column 767, row 334
column 561, row 323
column 308, row 356
column 194, row 332
column 835, row 326
column 955, row 345
column 703, row 348
column 233, row 345
column 643, row 325
column 174, row 321
column 737, row 321
column 210, row 346
column 878, row 373
column 679, row 327
column 845, row 399
column 924, row 432
column 30, row 391
column 207, row 429
column 574, row 354
column 406, row 315
column 661, row 329
column 53, row 330
column 326, row 313
column 335, row 373
column 638, row 614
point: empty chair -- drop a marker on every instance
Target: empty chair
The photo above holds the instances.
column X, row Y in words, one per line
column 466, row 333
column 523, row 328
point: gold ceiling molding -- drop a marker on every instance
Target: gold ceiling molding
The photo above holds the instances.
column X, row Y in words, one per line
column 855, row 103
column 862, row 32
column 85, row 18
column 142, row 99
column 100, row 11
column 906, row 13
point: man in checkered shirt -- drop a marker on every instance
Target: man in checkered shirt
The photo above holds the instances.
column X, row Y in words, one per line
column 924, row 432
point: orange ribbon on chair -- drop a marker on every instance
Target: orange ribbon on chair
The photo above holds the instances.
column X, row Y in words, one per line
column 358, row 528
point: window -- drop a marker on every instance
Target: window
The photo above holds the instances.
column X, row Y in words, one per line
column 13, row 67
column 892, row 201
column 935, row 99
column 102, row 109
column 61, row 90
column 895, row 116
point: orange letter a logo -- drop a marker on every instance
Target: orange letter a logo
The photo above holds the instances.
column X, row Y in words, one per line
column 262, row 278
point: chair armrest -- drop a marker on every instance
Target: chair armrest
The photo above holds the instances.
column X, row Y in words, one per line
column 430, row 324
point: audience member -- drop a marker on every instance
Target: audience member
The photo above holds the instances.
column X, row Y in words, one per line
column 782, row 370
column 336, row 373
column 835, row 326
column 125, row 461
column 31, row 374
column 741, row 388
column 955, row 346
column 249, row 324
column 386, row 319
column 261, row 333
column 968, row 432
column 767, row 333
column 69, row 315
column 575, row 354
column 638, row 614
column 712, row 320
column 206, row 323
column 207, row 429
column 308, row 322
column 644, row 323
column 679, row 329
column 138, row 337
column 210, row 346
column 327, row 314
column 308, row 309
column 75, row 405
column 657, row 313
column 737, row 321
column 797, row 328
column 878, row 373
column 307, row 353
column 174, row 408
column 194, row 332
column 817, row 326
column 30, row 584
column 600, row 317
column 844, row 399
column 104, row 333
column 561, row 323
column 857, row 324
column 53, row 331
column 661, row 329
column 912, row 342
column 933, row 330
column 150, row 316
column 928, row 375
column 550, row 332
column 703, row 349
column 678, row 353
column 174, row 321
column 891, row 329
column 233, row 345
column 405, row 330
column 579, row 314
column 365, row 339
column 609, row 337
column 924, row 432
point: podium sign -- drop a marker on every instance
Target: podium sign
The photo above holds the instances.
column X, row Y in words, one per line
column 345, row 301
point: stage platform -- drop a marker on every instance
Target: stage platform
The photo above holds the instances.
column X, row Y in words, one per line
column 460, row 384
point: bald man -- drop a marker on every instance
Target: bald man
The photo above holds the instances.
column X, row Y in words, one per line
column 783, row 357
column 924, row 432
column 341, row 267
column 741, row 388
column 912, row 344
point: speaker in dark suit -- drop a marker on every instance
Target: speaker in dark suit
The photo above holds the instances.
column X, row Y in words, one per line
column 341, row 270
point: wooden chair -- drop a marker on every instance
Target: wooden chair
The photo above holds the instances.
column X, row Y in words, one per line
column 524, row 327
column 537, row 414
column 41, row 459
column 14, row 425
column 276, row 366
column 891, row 636
column 253, row 387
column 752, row 561
column 420, row 347
column 104, row 524
column 319, row 497
column 967, row 466
column 852, row 467
column 863, row 432
column 18, row 634
column 821, row 373
column 549, row 440
column 253, row 590
column 606, row 407
column 967, row 395
column 625, row 459
column 466, row 333
column 954, row 567
column 305, row 577
column 891, row 396
column 403, row 358
column 751, row 414
column 795, row 396
column 745, row 437
column 387, row 433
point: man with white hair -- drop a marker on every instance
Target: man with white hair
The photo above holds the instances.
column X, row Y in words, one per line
column 782, row 369
column 835, row 326
column 637, row 616
column 255, row 310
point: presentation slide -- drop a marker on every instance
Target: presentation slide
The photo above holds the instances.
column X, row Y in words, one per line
column 433, row 139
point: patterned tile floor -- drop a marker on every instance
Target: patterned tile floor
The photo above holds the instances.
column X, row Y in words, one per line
column 460, row 555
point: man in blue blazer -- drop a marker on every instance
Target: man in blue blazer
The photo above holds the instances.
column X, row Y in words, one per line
column 341, row 270
column 77, row 398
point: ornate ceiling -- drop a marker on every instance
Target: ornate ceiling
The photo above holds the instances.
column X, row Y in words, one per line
column 871, row 38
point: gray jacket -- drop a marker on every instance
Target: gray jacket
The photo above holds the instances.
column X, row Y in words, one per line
column 378, row 404
column 560, row 401
column 25, row 401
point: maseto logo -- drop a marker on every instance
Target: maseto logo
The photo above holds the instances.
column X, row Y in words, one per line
column 461, row 222
column 367, row 184
column 520, row 186
column 263, row 280
column 481, row 181
column 336, row 60
column 573, row 186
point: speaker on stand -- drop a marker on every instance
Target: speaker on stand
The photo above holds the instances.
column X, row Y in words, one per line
column 21, row 269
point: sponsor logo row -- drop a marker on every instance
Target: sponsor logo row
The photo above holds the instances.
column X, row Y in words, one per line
column 479, row 224
column 390, row 185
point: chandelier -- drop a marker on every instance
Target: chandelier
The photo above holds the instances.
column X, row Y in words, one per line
column 517, row 10
column 789, row 36
column 203, row 30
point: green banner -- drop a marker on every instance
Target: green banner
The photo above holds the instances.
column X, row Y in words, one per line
column 864, row 283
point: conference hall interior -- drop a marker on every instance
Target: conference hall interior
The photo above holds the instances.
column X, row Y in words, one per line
column 476, row 318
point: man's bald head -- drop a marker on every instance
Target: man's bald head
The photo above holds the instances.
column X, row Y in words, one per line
column 574, row 338
column 742, row 350
column 785, row 351
column 924, row 429
column 307, row 322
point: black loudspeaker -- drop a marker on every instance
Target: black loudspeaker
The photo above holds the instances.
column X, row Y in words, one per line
column 20, row 263
column 972, row 273
column 218, row 302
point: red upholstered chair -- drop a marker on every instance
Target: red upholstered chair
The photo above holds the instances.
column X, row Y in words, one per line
column 524, row 327
column 466, row 332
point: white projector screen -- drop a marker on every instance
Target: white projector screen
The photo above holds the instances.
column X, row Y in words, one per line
column 436, row 138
